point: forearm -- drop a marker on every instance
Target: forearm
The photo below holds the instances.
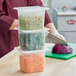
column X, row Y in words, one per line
column 15, row 24
column 52, row 28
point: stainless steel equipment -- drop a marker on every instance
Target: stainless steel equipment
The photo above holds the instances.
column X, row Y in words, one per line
column 65, row 22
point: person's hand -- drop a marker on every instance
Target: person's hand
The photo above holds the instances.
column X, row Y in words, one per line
column 55, row 32
column 61, row 36
column 14, row 25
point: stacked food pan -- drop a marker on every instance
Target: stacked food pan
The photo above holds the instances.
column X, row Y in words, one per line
column 31, row 38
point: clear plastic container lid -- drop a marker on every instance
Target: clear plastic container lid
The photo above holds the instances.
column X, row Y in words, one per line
column 31, row 52
column 31, row 9
column 29, row 31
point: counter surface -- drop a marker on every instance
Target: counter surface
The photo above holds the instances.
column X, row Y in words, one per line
column 9, row 66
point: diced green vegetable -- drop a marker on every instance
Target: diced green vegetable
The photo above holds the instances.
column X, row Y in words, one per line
column 31, row 22
column 31, row 41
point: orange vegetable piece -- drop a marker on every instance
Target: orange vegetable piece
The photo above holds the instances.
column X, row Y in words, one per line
column 30, row 63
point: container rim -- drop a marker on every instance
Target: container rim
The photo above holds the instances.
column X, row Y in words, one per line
column 29, row 52
column 29, row 31
column 31, row 9
column 35, row 51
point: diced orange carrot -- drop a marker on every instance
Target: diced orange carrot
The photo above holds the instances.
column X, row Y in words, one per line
column 30, row 63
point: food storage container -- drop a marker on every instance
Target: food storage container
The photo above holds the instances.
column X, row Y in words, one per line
column 31, row 62
column 31, row 40
column 31, row 18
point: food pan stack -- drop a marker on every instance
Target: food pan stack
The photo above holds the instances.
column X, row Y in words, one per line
column 31, row 38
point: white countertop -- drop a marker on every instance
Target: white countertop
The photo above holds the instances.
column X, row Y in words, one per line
column 9, row 66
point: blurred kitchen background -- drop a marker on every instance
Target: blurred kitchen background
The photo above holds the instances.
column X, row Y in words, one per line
column 63, row 14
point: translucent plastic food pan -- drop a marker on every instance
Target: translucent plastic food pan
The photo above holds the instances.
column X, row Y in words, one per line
column 31, row 40
column 31, row 18
column 32, row 62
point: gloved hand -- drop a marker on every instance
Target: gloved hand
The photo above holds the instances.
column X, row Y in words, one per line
column 61, row 36
column 51, row 28
column 55, row 32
